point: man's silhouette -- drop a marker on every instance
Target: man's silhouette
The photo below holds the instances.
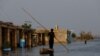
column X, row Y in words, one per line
column 51, row 39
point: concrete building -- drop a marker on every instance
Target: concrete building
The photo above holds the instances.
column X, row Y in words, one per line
column 61, row 34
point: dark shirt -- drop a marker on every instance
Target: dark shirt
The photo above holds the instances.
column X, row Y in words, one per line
column 51, row 39
column 51, row 35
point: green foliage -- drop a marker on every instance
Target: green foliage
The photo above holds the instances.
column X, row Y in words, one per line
column 73, row 35
column 26, row 26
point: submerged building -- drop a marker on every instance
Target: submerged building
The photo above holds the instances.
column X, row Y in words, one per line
column 10, row 35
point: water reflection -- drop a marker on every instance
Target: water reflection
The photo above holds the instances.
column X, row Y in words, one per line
column 52, row 54
column 77, row 48
column 27, row 52
column 6, row 53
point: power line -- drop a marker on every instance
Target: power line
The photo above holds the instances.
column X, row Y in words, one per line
column 34, row 18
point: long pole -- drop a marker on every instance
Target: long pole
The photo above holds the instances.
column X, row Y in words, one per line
column 43, row 27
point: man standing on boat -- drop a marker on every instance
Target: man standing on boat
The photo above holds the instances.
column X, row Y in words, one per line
column 51, row 39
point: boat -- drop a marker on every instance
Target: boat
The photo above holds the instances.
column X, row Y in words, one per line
column 46, row 51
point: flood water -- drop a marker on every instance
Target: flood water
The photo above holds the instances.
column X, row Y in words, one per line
column 92, row 48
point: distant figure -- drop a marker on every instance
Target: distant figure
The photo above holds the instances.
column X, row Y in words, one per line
column 85, row 42
column 51, row 39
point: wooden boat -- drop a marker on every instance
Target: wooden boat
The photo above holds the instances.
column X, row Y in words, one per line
column 46, row 51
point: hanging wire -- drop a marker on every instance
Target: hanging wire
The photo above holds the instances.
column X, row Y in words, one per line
column 33, row 18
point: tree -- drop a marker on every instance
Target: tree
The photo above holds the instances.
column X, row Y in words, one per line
column 26, row 26
column 73, row 35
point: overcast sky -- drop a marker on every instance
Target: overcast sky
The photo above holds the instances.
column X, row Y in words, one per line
column 78, row 15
